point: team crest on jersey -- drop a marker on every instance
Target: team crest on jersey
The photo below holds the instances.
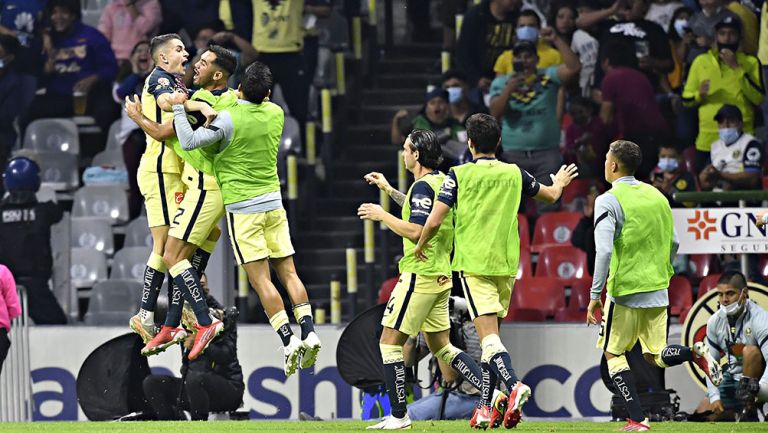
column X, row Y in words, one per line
column 179, row 196
column 163, row 82
column 695, row 327
column 681, row 184
column 736, row 154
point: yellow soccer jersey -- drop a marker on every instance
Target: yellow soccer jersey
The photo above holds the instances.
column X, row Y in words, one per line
column 278, row 26
column 159, row 156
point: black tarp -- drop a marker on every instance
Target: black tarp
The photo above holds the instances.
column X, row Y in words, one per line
column 109, row 381
column 358, row 356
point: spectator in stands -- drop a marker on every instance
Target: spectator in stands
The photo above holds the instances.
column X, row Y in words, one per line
column 586, row 139
column 680, row 40
column 722, row 75
column 646, row 39
column 670, row 175
column 703, row 23
column 629, row 105
column 10, row 95
column 661, row 12
column 463, row 100
column 9, row 310
column 582, row 43
column 25, row 238
column 80, row 68
column 749, row 25
column 213, row 382
column 487, row 31
column 525, row 104
column 528, row 29
column 21, row 19
column 214, row 33
column 190, row 15
column 737, row 157
column 126, row 22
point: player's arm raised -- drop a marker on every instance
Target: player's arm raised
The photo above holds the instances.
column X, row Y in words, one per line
column 563, row 178
column 158, row 131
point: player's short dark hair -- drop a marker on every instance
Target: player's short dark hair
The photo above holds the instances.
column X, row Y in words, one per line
column 225, row 59
column 73, row 6
column 159, row 41
column 627, row 154
column 484, row 131
column 257, row 82
column 530, row 13
column 425, row 142
column 734, row 279
column 10, row 44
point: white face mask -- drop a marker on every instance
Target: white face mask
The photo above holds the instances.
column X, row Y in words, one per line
column 733, row 309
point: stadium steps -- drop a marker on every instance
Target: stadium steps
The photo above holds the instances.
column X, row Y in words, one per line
column 382, row 114
column 393, row 96
column 364, row 134
column 415, row 65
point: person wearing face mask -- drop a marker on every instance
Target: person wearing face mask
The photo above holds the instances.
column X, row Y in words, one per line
column 529, row 29
column 722, row 75
column 738, row 331
column 670, row 177
column 463, row 100
column 737, row 157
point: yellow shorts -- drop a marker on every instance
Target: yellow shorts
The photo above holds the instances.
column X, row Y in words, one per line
column 162, row 194
column 257, row 236
column 487, row 294
column 199, row 211
column 622, row 327
column 418, row 303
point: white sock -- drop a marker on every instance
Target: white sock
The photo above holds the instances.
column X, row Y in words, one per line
column 147, row 317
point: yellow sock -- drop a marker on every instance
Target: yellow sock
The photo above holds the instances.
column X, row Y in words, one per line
column 156, row 262
column 491, row 345
column 447, row 353
column 391, row 353
column 302, row 310
column 179, row 268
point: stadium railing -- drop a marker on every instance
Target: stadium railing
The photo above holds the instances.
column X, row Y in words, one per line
column 15, row 380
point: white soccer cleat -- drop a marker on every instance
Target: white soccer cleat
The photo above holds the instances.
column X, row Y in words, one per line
column 707, row 363
column 292, row 354
column 146, row 331
column 392, row 423
column 311, row 346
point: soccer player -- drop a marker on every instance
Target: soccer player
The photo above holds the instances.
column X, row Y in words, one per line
column 194, row 229
column 635, row 238
column 245, row 139
column 739, row 329
column 485, row 196
column 419, row 301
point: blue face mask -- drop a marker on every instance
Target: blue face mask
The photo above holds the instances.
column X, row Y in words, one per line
column 455, row 94
column 728, row 135
column 527, row 33
column 667, row 164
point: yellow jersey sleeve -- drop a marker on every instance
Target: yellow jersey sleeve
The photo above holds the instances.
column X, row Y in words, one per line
column 159, row 155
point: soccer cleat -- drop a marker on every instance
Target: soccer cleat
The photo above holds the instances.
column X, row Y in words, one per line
column 644, row 425
column 517, row 398
column 498, row 408
column 392, row 423
column 204, row 336
column 188, row 318
column 310, row 347
column 707, row 363
column 146, row 331
column 164, row 339
column 292, row 354
column 481, row 418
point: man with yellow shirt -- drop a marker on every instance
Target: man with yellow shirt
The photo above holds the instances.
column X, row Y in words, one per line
column 529, row 29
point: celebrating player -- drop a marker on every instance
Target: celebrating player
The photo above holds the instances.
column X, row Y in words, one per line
column 487, row 248
column 635, row 237
column 246, row 138
column 419, row 302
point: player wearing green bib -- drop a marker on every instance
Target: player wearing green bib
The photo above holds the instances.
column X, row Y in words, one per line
column 635, row 244
column 485, row 196
column 419, row 301
column 245, row 139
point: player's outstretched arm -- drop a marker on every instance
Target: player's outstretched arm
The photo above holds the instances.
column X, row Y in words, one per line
column 158, row 131
column 439, row 212
column 405, row 229
column 378, row 179
column 563, row 178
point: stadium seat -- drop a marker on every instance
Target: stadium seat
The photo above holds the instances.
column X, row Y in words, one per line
column 108, row 201
column 137, row 233
column 689, row 156
column 554, row 228
column 525, row 315
column 52, row 135
column 87, row 267
column 129, row 263
column 113, row 302
column 386, row 289
column 92, row 232
column 563, row 262
column 113, row 142
column 46, row 193
column 706, row 284
column 576, row 192
column 543, row 294
column 680, row 295
column 58, row 171
column 525, row 230
column 570, row 315
column 290, row 141
column 524, row 268
column 579, row 298
column 701, row 265
column 765, row 182
column 109, row 157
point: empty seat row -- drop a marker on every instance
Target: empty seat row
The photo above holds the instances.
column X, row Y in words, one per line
column 89, row 266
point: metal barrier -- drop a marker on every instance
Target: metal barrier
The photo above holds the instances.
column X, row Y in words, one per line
column 293, row 191
column 369, row 246
column 351, row 254
column 335, row 300
column 16, row 380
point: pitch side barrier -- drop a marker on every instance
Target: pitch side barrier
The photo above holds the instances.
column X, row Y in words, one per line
column 15, row 379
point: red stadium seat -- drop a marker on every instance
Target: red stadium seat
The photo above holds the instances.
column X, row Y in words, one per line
column 543, row 294
column 765, row 182
column 701, row 265
column 569, row 314
column 554, row 228
column 524, row 268
column 579, row 188
column 563, row 262
column 525, row 315
column 707, row 283
column 680, row 295
column 525, row 230
column 580, row 293
column 689, row 156
column 386, row 289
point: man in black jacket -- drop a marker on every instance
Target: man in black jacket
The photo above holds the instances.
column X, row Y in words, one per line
column 211, row 383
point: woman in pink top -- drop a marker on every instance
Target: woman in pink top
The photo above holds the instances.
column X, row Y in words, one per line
column 9, row 310
column 126, row 22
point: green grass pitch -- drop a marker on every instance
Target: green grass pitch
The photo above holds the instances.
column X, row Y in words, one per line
column 356, row 426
